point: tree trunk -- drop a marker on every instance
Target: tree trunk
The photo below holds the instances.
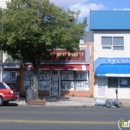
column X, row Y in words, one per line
column 35, row 82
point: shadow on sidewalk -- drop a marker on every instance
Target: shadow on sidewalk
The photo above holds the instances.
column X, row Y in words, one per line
column 55, row 99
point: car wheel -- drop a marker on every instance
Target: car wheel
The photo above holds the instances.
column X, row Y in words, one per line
column 1, row 101
column 5, row 103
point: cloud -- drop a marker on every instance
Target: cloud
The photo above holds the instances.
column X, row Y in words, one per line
column 67, row 3
column 122, row 9
column 85, row 8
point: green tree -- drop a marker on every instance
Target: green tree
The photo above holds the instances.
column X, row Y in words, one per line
column 32, row 27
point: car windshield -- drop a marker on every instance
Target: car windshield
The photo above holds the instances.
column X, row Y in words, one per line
column 6, row 86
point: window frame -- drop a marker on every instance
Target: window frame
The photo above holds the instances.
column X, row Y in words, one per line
column 13, row 75
column 119, row 79
column 112, row 45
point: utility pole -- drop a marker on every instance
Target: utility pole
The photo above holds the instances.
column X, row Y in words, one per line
column 1, row 53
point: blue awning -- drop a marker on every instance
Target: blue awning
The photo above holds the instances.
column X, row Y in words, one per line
column 113, row 70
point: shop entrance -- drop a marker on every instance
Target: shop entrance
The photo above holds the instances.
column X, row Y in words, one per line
column 101, row 87
column 54, row 89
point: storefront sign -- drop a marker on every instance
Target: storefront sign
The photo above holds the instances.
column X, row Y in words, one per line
column 117, row 61
column 63, row 56
column 102, row 60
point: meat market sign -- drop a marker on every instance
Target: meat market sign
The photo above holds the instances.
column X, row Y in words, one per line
column 63, row 56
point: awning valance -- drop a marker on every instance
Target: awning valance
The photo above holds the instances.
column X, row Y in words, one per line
column 58, row 67
column 113, row 70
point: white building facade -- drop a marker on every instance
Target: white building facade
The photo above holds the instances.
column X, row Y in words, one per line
column 111, row 38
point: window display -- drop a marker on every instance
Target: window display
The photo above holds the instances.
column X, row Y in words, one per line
column 28, row 75
column 43, row 80
column 81, row 85
column 43, row 75
column 67, row 75
column 54, row 78
column 43, row 85
column 27, row 84
column 67, row 85
column 79, row 80
column 54, row 88
column 28, row 79
column 81, row 75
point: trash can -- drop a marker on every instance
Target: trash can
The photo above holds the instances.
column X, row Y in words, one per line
column 117, row 103
column 100, row 102
column 109, row 103
column 29, row 94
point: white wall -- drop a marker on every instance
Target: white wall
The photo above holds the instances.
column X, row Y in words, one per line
column 123, row 93
column 99, row 52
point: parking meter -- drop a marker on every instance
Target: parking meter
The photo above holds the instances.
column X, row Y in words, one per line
column 116, row 90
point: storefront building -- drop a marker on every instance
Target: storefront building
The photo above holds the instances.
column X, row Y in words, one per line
column 68, row 74
column 111, row 38
column 112, row 74
column 11, row 72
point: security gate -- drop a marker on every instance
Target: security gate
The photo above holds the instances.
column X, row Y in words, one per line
column 54, row 90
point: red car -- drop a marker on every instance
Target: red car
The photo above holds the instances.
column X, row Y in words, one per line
column 7, row 94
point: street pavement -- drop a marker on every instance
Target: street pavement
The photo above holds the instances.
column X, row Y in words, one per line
column 71, row 102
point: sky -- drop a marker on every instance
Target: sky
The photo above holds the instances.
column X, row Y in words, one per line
column 86, row 5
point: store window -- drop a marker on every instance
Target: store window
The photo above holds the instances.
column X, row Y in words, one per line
column 6, row 76
column 28, row 79
column 124, row 82
column 43, row 80
column 67, row 82
column 81, row 82
column 74, row 80
column 112, row 82
column 9, row 76
column 121, row 82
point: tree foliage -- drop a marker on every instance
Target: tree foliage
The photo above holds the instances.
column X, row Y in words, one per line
column 29, row 28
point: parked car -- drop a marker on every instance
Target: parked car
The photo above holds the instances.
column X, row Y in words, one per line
column 7, row 94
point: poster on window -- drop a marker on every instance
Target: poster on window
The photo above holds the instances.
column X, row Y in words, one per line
column 124, row 82
column 44, row 75
column 81, row 75
column 67, row 85
column 43, row 85
column 54, row 88
column 28, row 75
column 67, row 75
column 54, row 78
column 27, row 84
column 81, row 85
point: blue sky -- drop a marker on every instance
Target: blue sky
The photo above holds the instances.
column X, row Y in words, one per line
column 85, row 5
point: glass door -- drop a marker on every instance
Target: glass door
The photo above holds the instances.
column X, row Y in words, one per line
column 54, row 84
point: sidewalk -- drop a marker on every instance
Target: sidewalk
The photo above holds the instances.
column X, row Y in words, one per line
column 71, row 102
column 63, row 101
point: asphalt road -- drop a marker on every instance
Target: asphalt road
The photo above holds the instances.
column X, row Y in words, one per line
column 61, row 118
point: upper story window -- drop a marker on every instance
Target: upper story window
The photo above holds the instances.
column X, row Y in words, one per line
column 113, row 43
